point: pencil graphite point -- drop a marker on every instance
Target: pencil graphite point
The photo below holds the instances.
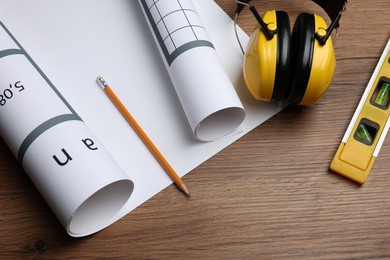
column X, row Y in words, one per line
column 184, row 189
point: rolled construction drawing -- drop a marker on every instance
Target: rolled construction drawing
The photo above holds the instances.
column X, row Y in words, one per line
column 207, row 95
column 75, row 174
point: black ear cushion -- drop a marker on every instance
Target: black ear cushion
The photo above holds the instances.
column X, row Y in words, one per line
column 302, row 44
column 282, row 56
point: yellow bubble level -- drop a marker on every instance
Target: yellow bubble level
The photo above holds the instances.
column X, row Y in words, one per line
column 368, row 128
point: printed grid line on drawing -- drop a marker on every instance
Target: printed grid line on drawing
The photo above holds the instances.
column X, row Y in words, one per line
column 176, row 25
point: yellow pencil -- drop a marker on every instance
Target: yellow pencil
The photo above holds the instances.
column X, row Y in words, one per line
column 137, row 128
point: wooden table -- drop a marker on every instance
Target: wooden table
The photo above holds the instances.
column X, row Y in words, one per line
column 269, row 195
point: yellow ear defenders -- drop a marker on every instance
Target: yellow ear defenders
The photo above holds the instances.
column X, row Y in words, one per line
column 296, row 67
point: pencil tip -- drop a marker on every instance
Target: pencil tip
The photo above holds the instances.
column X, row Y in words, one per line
column 184, row 189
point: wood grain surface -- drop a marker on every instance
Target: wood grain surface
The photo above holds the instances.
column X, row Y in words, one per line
column 269, row 195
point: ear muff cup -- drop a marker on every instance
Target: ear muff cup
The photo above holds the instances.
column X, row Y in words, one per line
column 302, row 44
column 283, row 63
column 267, row 61
column 294, row 67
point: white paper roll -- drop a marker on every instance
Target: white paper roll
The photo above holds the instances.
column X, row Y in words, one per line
column 75, row 174
column 208, row 97
column 77, row 177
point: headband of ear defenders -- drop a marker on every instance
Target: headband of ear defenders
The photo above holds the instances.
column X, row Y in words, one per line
column 333, row 8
